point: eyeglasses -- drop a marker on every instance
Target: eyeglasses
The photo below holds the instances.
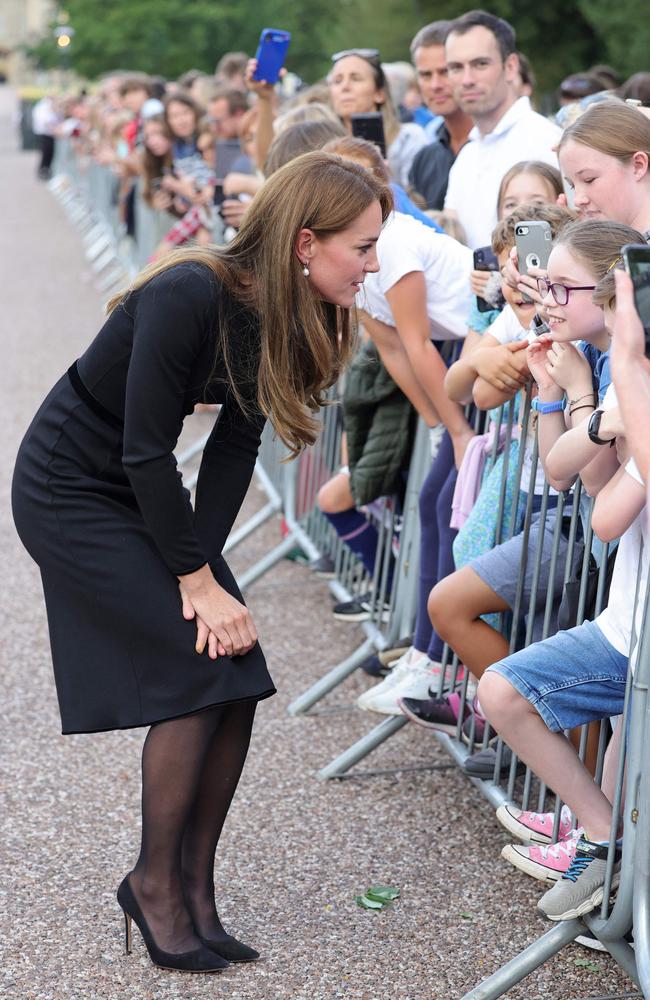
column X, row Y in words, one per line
column 371, row 55
column 560, row 292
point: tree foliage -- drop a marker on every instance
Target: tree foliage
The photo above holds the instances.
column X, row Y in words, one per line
column 169, row 37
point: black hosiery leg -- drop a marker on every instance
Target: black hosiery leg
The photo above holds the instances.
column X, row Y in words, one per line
column 172, row 761
column 222, row 768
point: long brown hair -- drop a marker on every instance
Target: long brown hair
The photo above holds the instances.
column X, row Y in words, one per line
column 304, row 342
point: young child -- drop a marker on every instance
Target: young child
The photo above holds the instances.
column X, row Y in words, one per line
column 574, row 678
column 581, row 256
column 530, row 182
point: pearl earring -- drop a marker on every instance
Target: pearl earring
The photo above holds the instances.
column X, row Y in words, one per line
column 305, row 271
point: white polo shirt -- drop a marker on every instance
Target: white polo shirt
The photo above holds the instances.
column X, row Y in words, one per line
column 406, row 245
column 477, row 171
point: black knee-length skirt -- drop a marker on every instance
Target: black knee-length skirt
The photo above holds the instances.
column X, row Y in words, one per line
column 123, row 654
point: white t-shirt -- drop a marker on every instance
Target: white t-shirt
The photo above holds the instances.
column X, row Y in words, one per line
column 406, row 245
column 615, row 622
column 477, row 171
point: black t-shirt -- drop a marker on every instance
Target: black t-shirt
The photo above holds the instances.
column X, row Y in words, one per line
column 154, row 359
column 429, row 171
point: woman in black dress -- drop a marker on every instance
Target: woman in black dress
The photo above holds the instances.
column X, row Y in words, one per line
column 147, row 625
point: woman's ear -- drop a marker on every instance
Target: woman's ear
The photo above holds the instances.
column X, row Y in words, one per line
column 640, row 164
column 305, row 245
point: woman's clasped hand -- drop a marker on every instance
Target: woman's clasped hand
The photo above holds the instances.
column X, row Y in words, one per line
column 223, row 623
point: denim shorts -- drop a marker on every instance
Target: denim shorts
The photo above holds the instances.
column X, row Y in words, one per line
column 500, row 568
column 572, row 678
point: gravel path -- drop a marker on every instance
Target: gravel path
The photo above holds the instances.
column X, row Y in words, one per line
column 295, row 851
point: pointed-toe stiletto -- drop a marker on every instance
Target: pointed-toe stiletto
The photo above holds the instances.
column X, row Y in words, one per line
column 200, row 960
column 230, row 948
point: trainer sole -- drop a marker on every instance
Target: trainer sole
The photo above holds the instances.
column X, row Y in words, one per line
column 524, row 864
column 518, row 830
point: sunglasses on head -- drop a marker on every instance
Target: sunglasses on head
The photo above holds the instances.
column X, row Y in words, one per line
column 371, row 55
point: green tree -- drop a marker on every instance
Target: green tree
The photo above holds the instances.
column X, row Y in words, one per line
column 624, row 30
column 167, row 37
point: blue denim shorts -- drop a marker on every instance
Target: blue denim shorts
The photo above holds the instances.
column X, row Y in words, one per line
column 572, row 678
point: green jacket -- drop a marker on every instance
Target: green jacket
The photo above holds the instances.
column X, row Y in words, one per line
column 378, row 420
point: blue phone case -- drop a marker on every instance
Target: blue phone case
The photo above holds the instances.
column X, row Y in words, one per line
column 271, row 53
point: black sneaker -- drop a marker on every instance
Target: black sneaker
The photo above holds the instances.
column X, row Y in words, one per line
column 323, row 567
column 360, row 609
column 481, row 764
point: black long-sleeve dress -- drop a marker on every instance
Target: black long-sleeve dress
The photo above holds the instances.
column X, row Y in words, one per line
column 99, row 504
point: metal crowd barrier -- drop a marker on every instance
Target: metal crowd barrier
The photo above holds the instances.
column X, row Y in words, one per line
column 291, row 489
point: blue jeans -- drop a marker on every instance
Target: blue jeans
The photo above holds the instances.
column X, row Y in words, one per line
column 571, row 678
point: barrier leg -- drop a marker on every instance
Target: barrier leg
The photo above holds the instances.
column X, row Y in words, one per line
column 363, row 747
column 526, row 961
column 331, row 679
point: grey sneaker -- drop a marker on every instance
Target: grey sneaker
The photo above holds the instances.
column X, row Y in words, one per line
column 580, row 889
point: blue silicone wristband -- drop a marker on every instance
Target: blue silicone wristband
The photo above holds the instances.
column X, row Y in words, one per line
column 554, row 407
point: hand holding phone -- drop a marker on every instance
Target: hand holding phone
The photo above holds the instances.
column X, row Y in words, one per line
column 271, row 54
column 486, row 261
column 534, row 242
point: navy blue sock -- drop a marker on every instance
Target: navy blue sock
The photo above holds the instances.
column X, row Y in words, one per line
column 361, row 536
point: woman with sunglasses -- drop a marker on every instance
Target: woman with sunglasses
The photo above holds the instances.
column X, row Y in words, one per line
column 358, row 85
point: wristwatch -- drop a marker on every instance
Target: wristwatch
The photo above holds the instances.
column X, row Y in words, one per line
column 594, row 426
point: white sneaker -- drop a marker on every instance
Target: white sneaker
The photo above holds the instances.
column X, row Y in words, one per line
column 415, row 683
column 399, row 670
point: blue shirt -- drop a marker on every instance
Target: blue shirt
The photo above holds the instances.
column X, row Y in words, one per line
column 600, row 368
column 404, row 204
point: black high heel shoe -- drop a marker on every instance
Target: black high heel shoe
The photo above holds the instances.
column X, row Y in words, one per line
column 200, row 960
column 230, row 948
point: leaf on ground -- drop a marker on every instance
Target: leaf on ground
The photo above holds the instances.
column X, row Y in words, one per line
column 368, row 904
column 383, row 893
column 466, row 915
column 585, row 963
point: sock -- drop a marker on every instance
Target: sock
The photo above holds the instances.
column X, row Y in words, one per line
column 361, row 536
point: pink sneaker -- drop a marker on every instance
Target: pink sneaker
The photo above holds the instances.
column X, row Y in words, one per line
column 532, row 827
column 547, row 862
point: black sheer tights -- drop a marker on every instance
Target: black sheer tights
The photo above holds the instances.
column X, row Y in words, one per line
column 190, row 770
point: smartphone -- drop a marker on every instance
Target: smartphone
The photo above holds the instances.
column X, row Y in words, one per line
column 271, row 53
column 228, row 151
column 636, row 257
column 485, row 260
column 219, row 196
column 370, row 126
column 534, row 240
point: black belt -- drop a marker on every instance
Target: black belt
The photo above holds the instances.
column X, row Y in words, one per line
column 93, row 404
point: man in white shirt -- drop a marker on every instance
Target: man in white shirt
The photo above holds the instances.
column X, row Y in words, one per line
column 482, row 69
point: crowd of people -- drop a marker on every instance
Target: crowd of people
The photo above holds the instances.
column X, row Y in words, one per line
column 468, row 159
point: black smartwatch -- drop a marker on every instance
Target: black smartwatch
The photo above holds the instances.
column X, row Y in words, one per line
column 594, row 426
